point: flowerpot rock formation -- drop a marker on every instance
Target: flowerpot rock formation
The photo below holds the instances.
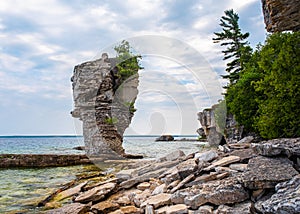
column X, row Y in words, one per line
column 104, row 105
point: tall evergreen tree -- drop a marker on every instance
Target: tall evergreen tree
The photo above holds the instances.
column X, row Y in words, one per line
column 238, row 48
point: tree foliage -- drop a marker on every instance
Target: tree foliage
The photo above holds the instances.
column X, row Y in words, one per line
column 279, row 112
column 241, row 98
column 266, row 98
column 237, row 47
column 127, row 62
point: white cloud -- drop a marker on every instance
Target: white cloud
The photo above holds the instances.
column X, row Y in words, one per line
column 240, row 5
column 10, row 63
column 41, row 42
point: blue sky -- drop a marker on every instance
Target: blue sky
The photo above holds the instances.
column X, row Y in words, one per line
column 42, row 40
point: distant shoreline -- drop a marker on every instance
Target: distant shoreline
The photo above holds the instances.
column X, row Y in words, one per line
column 38, row 136
column 66, row 136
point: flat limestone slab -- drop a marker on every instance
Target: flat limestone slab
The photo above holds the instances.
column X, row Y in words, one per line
column 266, row 172
column 158, row 200
column 223, row 162
column 41, row 160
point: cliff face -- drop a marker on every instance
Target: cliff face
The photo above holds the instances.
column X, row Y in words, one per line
column 209, row 124
column 281, row 15
column 104, row 111
column 219, row 126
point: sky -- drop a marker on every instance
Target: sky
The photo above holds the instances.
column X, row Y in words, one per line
column 42, row 40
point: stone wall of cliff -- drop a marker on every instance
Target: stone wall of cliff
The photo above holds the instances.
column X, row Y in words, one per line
column 281, row 15
column 103, row 108
column 218, row 131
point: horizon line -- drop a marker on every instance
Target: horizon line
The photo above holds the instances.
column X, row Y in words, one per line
column 175, row 135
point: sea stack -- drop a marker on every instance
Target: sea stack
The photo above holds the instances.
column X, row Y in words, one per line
column 104, row 105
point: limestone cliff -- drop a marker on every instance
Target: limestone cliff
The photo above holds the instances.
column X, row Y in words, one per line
column 281, row 15
column 211, row 129
column 103, row 105
column 219, row 126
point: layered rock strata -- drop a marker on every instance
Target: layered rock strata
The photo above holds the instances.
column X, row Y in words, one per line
column 281, row 15
column 103, row 105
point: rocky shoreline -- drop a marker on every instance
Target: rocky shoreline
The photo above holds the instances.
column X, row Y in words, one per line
column 242, row 178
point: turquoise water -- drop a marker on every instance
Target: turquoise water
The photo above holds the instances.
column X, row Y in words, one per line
column 22, row 189
column 40, row 145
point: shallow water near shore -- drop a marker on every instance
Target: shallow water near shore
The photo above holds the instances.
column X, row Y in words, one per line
column 22, row 189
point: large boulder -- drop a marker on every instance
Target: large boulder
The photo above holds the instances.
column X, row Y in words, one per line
column 165, row 138
column 264, row 173
column 226, row 191
column 285, row 146
column 285, row 200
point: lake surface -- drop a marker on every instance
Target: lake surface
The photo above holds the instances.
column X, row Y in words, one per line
column 20, row 188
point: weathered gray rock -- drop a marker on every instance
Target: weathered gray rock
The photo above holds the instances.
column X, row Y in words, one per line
column 186, row 168
column 41, row 160
column 209, row 125
column 281, row 15
column 149, row 209
column 173, row 156
column 157, row 200
column 95, row 194
column 154, row 166
column 266, row 172
column 165, row 138
column 208, row 177
column 205, row 209
column 223, row 169
column 142, row 178
column 70, row 192
column 241, row 208
column 224, row 148
column 183, row 182
column 246, row 140
column 244, row 154
column 226, row 191
column 101, row 107
column 206, row 156
column 223, row 162
column 160, row 189
column 75, row 208
column 179, row 196
column 285, row 146
column 171, row 176
column 239, row 146
column 238, row 167
column 138, row 198
column 173, row 184
column 286, row 200
column 125, row 174
column 201, row 133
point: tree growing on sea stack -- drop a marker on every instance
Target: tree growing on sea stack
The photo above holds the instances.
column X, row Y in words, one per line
column 238, row 48
column 127, row 62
